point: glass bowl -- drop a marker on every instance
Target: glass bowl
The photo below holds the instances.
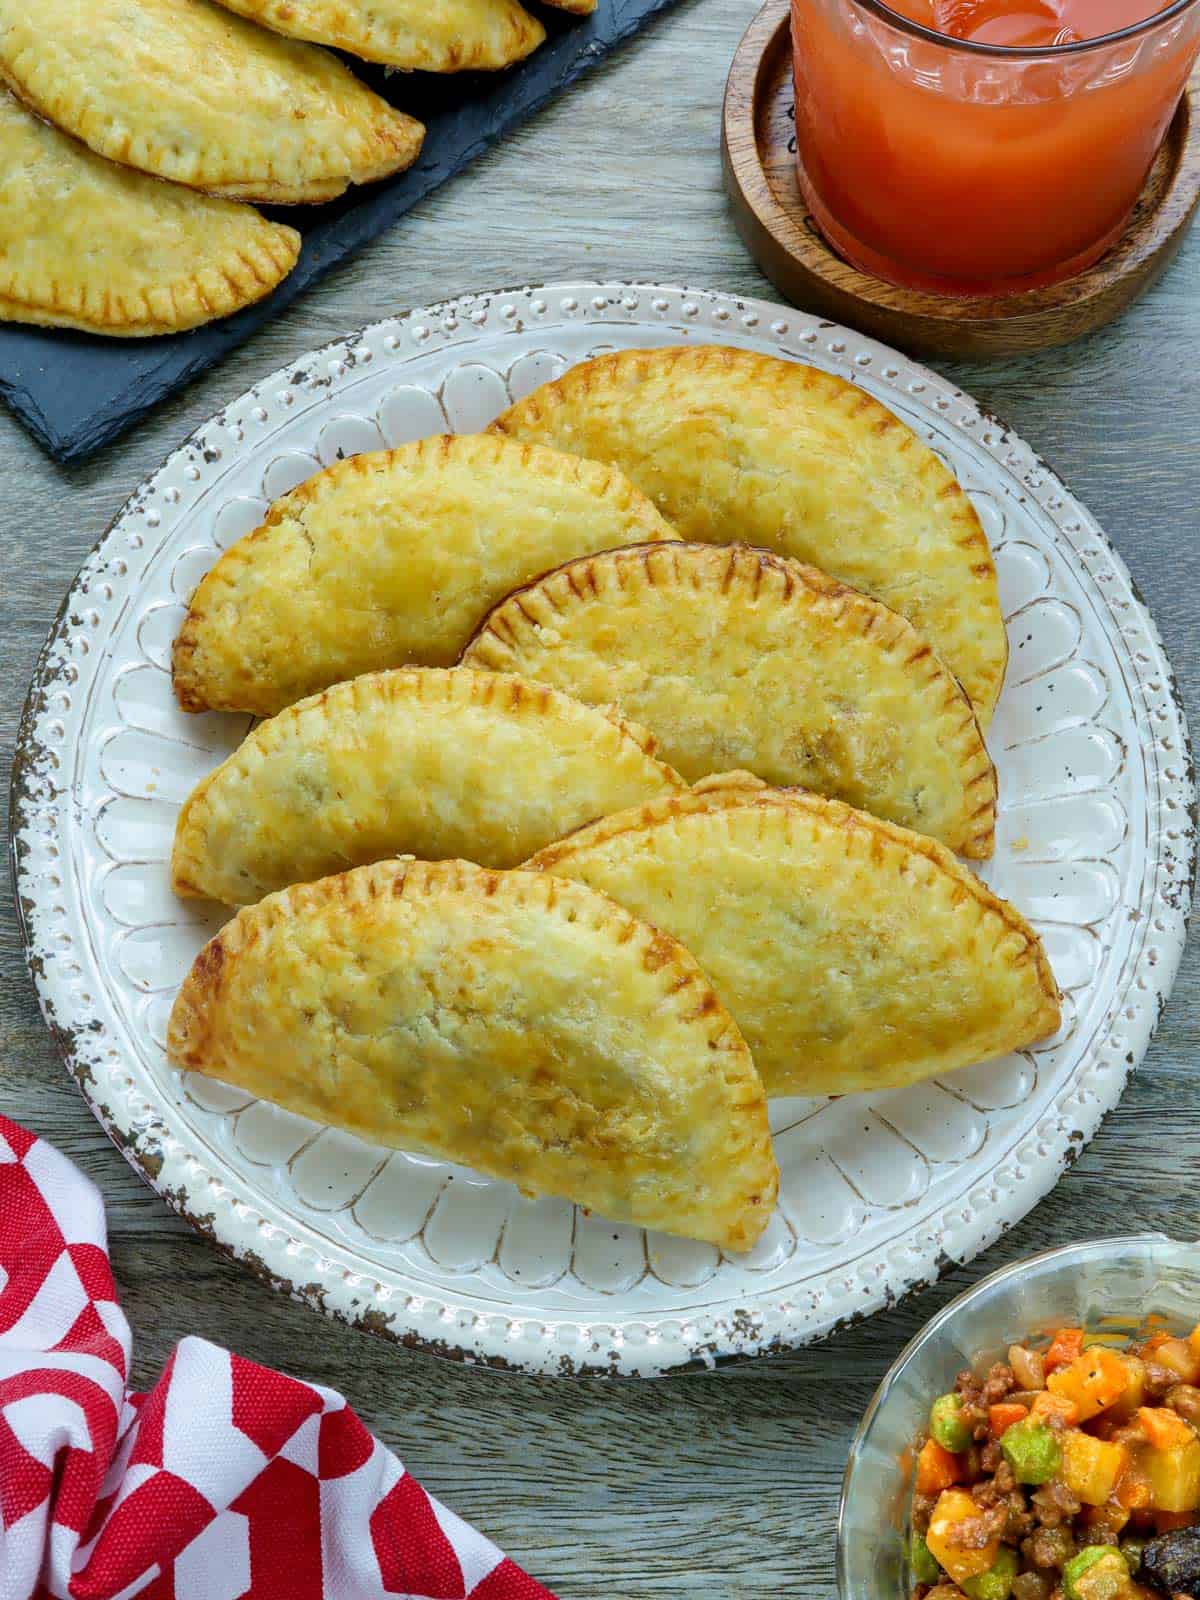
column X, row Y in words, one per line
column 1106, row 1285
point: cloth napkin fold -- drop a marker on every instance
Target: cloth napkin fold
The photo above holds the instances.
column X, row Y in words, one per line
column 227, row 1481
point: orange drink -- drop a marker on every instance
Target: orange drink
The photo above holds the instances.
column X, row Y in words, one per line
column 983, row 146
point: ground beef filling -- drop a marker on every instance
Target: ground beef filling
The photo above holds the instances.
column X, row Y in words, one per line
column 1047, row 1526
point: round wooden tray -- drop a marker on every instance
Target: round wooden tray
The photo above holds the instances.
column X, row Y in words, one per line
column 759, row 149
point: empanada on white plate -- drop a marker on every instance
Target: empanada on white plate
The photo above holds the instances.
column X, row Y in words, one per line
column 734, row 445
column 392, row 558
column 432, row 35
column 524, row 1026
column 187, row 91
column 734, row 657
column 419, row 761
column 89, row 245
column 853, row 954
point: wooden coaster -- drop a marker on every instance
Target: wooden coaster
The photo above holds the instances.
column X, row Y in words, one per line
column 758, row 146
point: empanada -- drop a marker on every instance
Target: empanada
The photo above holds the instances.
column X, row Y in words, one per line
column 392, row 558
column 432, row 35
column 734, row 657
column 527, row 1027
column 853, row 954
column 731, row 445
column 86, row 244
column 184, row 90
column 419, row 761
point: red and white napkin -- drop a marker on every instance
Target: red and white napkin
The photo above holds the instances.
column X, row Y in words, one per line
column 225, row 1482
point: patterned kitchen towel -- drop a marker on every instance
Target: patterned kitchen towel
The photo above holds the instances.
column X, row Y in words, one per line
column 225, row 1482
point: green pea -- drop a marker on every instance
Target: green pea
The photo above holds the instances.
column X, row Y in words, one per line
column 921, row 1563
column 1100, row 1572
column 1032, row 1451
column 946, row 1423
column 996, row 1583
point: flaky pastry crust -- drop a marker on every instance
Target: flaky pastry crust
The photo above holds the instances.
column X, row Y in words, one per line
column 733, row 445
column 853, row 954
column 430, row 35
column 734, row 657
column 418, row 761
column 391, row 558
column 186, row 91
column 85, row 244
column 525, row 1026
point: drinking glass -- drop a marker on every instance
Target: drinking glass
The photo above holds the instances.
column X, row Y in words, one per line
column 966, row 168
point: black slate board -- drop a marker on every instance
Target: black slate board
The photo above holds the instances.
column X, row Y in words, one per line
column 75, row 392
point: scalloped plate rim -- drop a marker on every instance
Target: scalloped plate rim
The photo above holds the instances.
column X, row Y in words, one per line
column 562, row 1344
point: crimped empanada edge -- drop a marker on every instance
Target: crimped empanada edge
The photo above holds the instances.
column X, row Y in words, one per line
column 389, row 144
column 775, row 373
column 535, row 604
column 523, row 37
column 682, row 981
column 736, row 794
column 222, row 288
column 506, row 693
column 194, row 688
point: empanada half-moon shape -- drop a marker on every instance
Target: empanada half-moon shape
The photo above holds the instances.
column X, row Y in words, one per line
column 419, row 761
column 89, row 245
column 525, row 1026
column 853, row 954
column 733, row 445
column 429, row 35
column 734, row 657
column 187, row 91
column 389, row 559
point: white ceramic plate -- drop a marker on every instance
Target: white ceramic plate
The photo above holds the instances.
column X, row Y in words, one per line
column 879, row 1192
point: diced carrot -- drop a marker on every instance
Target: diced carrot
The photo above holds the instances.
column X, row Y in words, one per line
column 1093, row 1381
column 937, row 1468
column 1194, row 1338
column 1003, row 1416
column 1164, row 1521
column 1064, row 1347
column 1165, row 1429
column 1049, row 1405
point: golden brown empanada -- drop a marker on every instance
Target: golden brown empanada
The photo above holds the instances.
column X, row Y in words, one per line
column 391, row 558
column 525, row 1026
column 736, row 657
column 433, row 35
column 853, row 954
column 420, row 761
column 86, row 244
column 731, row 445
column 184, row 90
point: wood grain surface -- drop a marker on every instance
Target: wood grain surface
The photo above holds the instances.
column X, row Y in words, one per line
column 759, row 152
column 714, row 1486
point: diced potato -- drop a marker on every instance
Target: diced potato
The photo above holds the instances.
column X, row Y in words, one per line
column 1174, row 1477
column 1179, row 1356
column 1090, row 1466
column 1134, row 1393
column 1091, row 1382
column 1194, row 1339
column 955, row 1506
column 1047, row 1405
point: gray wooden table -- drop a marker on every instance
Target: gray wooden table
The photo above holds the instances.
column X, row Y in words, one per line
column 716, row 1486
